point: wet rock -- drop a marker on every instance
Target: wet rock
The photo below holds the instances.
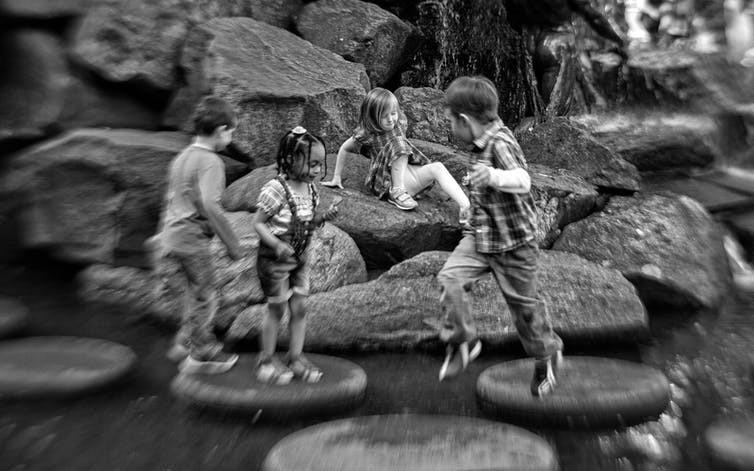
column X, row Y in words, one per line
column 585, row 302
column 654, row 141
column 32, row 84
column 275, row 79
column 424, row 110
column 91, row 192
column 672, row 234
column 140, row 40
column 663, row 77
column 43, row 9
column 385, row 235
column 360, row 32
column 335, row 262
column 561, row 196
column 559, row 144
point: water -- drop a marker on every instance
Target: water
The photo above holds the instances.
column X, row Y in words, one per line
column 137, row 425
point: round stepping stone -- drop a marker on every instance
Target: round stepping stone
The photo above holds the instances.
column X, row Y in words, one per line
column 412, row 443
column 14, row 317
column 342, row 387
column 60, row 366
column 730, row 443
column 591, row 392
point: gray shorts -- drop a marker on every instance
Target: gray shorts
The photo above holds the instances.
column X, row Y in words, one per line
column 280, row 279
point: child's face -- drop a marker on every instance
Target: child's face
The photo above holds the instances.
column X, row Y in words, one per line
column 459, row 126
column 389, row 119
column 223, row 136
column 309, row 173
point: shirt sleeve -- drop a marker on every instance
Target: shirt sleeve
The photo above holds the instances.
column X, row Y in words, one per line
column 271, row 198
column 508, row 154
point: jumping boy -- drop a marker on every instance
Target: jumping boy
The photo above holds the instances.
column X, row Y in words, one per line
column 501, row 239
column 191, row 216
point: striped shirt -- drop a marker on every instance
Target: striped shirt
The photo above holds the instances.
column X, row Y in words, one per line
column 272, row 202
column 502, row 221
column 382, row 149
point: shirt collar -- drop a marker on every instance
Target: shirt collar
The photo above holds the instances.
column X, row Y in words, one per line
column 491, row 130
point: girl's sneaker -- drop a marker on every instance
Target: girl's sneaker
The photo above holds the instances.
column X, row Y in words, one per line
column 271, row 371
column 304, row 370
column 400, row 198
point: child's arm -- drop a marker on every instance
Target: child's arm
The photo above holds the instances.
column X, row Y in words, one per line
column 259, row 223
column 348, row 147
column 211, row 184
column 508, row 174
column 330, row 214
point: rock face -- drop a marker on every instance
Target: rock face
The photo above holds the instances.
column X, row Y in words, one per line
column 561, row 196
column 44, row 9
column 560, row 145
column 275, row 79
column 586, row 302
column 425, row 114
column 667, row 246
column 139, row 40
column 278, row 13
column 654, row 141
column 360, row 32
column 335, row 262
column 384, row 234
column 91, row 192
column 32, row 84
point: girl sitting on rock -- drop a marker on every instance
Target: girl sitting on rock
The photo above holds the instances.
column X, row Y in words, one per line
column 285, row 219
column 397, row 170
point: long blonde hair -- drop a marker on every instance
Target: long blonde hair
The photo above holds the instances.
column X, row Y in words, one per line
column 377, row 101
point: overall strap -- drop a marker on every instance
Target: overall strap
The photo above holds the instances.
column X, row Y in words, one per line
column 301, row 231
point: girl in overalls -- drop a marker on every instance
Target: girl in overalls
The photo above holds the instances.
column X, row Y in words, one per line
column 285, row 219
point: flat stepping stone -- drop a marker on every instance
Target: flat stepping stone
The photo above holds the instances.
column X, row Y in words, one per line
column 412, row 443
column 591, row 392
column 712, row 196
column 730, row 443
column 14, row 317
column 342, row 387
column 60, row 366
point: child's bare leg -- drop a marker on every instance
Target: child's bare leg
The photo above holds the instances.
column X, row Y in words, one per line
column 270, row 326
column 421, row 176
column 297, row 325
column 398, row 171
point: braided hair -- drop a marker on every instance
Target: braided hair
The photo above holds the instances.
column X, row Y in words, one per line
column 297, row 143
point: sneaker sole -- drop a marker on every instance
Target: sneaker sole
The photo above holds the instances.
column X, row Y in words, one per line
column 191, row 366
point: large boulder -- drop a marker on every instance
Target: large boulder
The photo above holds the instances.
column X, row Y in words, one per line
column 44, row 9
column 384, row 234
column 656, row 141
column 586, row 303
column 561, row 196
column 278, row 13
column 92, row 192
column 275, row 79
column 335, row 263
column 424, row 111
column 360, row 32
column 32, row 85
column 140, row 40
column 668, row 246
column 558, row 144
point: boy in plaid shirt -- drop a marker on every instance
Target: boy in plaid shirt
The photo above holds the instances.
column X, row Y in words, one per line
column 501, row 239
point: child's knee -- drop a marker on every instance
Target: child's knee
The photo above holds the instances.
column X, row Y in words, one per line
column 297, row 305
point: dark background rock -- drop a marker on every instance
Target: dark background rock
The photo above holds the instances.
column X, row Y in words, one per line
column 275, row 79
column 360, row 32
column 668, row 246
column 425, row 114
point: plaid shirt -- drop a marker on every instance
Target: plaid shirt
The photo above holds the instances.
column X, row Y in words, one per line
column 502, row 221
column 382, row 149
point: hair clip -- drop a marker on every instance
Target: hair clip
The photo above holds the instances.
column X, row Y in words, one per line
column 298, row 130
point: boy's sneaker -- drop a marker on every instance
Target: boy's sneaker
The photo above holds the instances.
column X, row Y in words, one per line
column 271, row 371
column 400, row 198
column 304, row 370
column 543, row 382
column 457, row 359
column 177, row 353
column 218, row 363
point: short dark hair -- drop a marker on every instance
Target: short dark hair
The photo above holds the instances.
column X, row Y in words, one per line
column 211, row 113
column 473, row 96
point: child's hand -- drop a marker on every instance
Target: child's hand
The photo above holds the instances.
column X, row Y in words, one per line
column 479, row 175
column 335, row 182
column 332, row 210
column 235, row 255
column 283, row 250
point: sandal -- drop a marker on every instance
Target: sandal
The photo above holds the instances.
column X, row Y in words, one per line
column 304, row 370
column 270, row 370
